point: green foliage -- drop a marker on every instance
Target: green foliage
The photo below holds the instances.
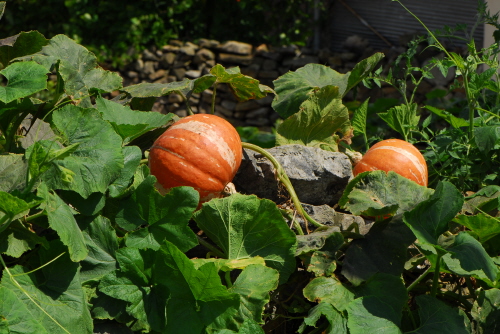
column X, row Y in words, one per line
column 85, row 237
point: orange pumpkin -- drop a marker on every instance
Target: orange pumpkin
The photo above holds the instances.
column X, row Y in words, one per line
column 202, row 151
column 396, row 155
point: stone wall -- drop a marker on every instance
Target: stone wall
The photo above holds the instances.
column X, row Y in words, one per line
column 179, row 60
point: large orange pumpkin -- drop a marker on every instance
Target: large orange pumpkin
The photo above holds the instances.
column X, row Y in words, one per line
column 395, row 155
column 202, row 151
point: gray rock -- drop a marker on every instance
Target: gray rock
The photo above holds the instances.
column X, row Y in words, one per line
column 236, row 48
column 193, row 74
column 257, row 113
column 203, row 55
column 235, row 59
column 167, row 59
column 319, row 177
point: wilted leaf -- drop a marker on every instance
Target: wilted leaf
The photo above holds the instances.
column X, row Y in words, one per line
column 486, row 311
column 12, row 172
column 243, row 87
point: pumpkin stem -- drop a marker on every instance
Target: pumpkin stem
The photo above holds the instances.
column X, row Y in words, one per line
column 214, row 93
column 281, row 175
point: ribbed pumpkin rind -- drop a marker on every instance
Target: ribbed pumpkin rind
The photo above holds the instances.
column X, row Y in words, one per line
column 395, row 155
column 202, row 151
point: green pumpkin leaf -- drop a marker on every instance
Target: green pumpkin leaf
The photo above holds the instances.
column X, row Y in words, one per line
column 430, row 218
column 197, row 297
column 102, row 243
column 378, row 193
column 466, row 256
column 18, row 239
column 136, row 284
column 434, row 313
column 243, row 87
column 166, row 217
column 78, row 68
column 61, row 219
column 293, row 88
column 49, row 301
column 244, row 226
column 24, row 79
column 486, row 311
column 145, row 89
column 482, row 225
column 98, row 159
column 318, row 123
column 329, row 290
column 454, row 121
column 25, row 43
column 128, row 123
column 336, row 322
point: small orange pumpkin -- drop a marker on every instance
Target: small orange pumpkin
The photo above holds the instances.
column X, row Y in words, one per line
column 202, row 151
column 395, row 155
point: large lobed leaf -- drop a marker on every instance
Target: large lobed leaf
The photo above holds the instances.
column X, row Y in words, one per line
column 128, row 123
column 378, row 193
column 78, row 68
column 321, row 122
column 293, row 88
column 430, row 218
column 245, row 226
column 96, row 162
column 197, row 297
column 49, row 301
column 24, row 79
column 164, row 217
column 24, row 44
